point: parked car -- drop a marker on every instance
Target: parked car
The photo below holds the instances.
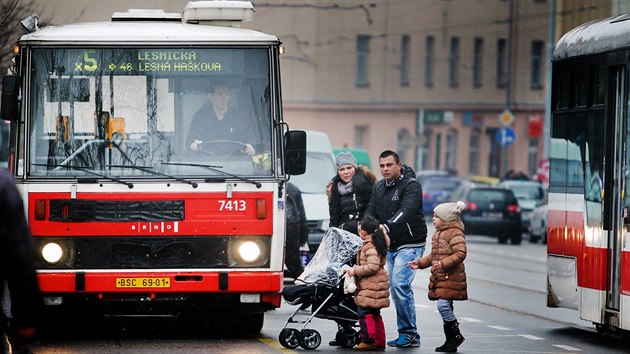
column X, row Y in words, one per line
column 436, row 190
column 485, row 180
column 320, row 168
column 423, row 175
column 490, row 211
column 529, row 194
column 538, row 222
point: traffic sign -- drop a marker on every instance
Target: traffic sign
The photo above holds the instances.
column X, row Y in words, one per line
column 505, row 136
column 506, row 118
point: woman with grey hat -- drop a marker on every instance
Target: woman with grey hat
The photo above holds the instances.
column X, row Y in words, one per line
column 447, row 281
column 349, row 192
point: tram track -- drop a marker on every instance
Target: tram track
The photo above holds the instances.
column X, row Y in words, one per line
column 502, row 297
column 512, row 279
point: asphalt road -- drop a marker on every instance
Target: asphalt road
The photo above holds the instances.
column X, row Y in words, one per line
column 506, row 313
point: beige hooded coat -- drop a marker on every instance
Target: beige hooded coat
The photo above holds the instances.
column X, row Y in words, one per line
column 372, row 280
column 448, row 245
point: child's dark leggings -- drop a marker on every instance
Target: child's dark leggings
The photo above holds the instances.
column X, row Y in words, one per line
column 372, row 327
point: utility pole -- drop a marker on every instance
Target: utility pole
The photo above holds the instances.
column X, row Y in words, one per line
column 551, row 41
column 508, row 87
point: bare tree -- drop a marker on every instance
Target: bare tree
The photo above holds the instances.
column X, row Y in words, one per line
column 13, row 11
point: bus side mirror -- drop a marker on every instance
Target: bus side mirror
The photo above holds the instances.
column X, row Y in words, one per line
column 9, row 106
column 295, row 152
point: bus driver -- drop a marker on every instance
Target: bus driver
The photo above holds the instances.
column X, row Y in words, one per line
column 220, row 124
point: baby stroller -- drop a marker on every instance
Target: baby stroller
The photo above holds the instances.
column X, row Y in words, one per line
column 319, row 292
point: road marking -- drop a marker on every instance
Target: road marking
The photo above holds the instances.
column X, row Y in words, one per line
column 529, row 336
column 501, row 328
column 468, row 319
column 275, row 345
column 567, row 347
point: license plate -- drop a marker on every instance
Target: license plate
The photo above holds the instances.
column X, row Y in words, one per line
column 491, row 214
column 143, row 282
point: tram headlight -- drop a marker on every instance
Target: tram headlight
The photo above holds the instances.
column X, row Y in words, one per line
column 52, row 252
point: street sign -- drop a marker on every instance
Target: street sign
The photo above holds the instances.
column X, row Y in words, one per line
column 505, row 136
column 506, row 118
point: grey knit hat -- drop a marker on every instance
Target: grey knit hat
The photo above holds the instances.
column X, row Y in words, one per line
column 346, row 158
column 449, row 211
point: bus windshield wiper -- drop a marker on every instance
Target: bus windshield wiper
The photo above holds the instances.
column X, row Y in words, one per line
column 89, row 170
column 215, row 169
column 149, row 170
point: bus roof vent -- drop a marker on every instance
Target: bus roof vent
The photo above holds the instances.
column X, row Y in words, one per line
column 146, row 15
column 219, row 12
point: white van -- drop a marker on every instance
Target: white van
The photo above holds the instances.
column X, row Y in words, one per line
column 320, row 168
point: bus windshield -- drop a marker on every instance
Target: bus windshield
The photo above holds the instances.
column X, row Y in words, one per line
column 166, row 110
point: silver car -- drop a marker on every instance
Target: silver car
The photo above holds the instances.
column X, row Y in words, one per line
column 529, row 194
column 538, row 222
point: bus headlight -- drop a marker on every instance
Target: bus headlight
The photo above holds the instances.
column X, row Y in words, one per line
column 52, row 252
column 249, row 251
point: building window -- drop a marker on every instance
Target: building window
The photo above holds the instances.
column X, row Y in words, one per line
column 477, row 62
column 426, row 149
column 361, row 136
column 473, row 153
column 404, row 60
column 501, row 63
column 451, row 149
column 537, row 62
column 453, row 73
column 438, row 150
column 363, row 54
column 429, row 57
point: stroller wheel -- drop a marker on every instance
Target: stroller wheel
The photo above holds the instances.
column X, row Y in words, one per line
column 310, row 339
column 289, row 338
column 347, row 337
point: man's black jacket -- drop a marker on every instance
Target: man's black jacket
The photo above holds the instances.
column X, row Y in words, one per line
column 398, row 206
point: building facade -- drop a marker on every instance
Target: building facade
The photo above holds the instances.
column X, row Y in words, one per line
column 429, row 79
column 438, row 81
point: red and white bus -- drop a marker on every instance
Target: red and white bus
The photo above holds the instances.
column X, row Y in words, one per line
column 126, row 216
column 589, row 186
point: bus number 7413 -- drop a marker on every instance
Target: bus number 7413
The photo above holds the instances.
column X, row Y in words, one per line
column 232, row 205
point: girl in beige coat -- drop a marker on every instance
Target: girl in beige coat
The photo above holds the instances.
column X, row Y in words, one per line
column 372, row 284
column 447, row 281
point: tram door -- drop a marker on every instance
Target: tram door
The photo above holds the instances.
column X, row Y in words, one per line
column 616, row 193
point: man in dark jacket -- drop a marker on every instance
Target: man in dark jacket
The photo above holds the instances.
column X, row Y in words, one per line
column 297, row 230
column 397, row 204
column 16, row 268
column 217, row 122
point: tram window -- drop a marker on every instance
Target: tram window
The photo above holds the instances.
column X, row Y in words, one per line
column 567, row 162
column 562, row 92
column 580, row 87
column 594, row 183
column 599, row 91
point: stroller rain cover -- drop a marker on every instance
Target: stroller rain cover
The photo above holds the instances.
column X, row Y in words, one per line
column 337, row 248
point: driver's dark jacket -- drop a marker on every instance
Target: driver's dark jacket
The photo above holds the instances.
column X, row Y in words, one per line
column 17, row 259
column 206, row 127
column 398, row 206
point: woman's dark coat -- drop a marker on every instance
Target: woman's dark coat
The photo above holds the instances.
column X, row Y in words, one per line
column 346, row 210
